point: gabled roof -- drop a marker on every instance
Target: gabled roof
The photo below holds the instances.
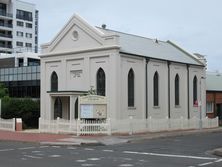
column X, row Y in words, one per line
column 213, row 81
column 152, row 48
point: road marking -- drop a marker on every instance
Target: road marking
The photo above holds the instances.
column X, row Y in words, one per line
column 126, row 165
column 43, row 146
column 89, row 149
column 219, row 160
column 56, row 146
column 36, row 151
column 71, row 148
column 88, row 165
column 9, row 149
column 26, row 148
column 34, row 157
column 169, row 155
column 204, row 164
column 54, row 156
column 93, row 159
column 108, row 150
column 80, row 160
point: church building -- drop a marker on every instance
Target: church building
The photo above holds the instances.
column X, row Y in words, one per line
column 141, row 78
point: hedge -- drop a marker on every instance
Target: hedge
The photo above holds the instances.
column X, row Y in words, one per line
column 27, row 109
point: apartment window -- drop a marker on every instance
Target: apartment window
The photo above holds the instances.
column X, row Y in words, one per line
column 131, row 88
column 177, row 90
column 20, row 44
column 195, row 102
column 24, row 15
column 209, row 107
column 28, row 25
column 28, row 45
column 20, row 23
column 28, row 35
column 19, row 34
column 101, row 82
column 156, row 89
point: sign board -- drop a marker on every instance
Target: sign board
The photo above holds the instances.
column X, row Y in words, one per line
column 93, row 107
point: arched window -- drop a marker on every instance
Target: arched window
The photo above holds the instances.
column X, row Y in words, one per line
column 131, row 88
column 177, row 90
column 156, row 89
column 195, row 90
column 101, row 82
column 58, row 108
column 54, row 82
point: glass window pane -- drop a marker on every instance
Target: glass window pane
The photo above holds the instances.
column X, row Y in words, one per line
column 34, row 76
column 29, row 69
column 19, row 77
column 11, row 71
column 2, row 71
column 2, row 78
column 24, row 76
column 24, row 69
column 15, row 77
column 33, row 69
column 10, row 77
column 15, row 70
column 38, row 68
column 29, row 77
column 6, row 77
column 6, row 70
column 38, row 76
column 20, row 70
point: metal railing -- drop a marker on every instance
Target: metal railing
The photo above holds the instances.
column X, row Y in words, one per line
column 6, row 35
column 6, row 25
column 4, row 13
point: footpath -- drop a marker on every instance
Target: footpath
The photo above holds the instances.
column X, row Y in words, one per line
column 73, row 140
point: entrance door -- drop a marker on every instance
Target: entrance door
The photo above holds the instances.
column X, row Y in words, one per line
column 76, row 108
column 58, row 108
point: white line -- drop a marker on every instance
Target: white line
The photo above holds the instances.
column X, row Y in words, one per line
column 43, row 146
column 26, row 148
column 108, row 150
column 6, row 150
column 34, row 157
column 219, row 160
column 55, row 156
column 88, row 149
column 204, row 164
column 169, row 155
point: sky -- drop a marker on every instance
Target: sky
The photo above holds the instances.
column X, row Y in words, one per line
column 194, row 25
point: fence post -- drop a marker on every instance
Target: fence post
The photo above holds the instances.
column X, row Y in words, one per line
column 78, row 127
column 13, row 124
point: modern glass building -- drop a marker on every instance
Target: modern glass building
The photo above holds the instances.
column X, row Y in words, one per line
column 21, row 81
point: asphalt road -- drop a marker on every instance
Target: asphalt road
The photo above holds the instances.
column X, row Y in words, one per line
column 187, row 151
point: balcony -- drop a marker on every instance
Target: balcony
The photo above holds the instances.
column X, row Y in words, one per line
column 6, row 35
column 5, row 14
column 5, row 46
column 6, row 25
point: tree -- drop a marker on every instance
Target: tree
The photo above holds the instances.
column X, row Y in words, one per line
column 3, row 91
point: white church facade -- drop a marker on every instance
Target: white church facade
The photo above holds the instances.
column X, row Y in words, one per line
column 144, row 80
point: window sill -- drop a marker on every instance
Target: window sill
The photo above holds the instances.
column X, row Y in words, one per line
column 156, row 107
column 131, row 108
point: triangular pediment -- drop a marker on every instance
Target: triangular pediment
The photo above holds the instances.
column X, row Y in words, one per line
column 77, row 34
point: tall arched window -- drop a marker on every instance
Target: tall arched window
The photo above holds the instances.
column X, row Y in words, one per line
column 58, row 108
column 156, row 89
column 177, row 90
column 101, row 82
column 195, row 90
column 131, row 88
column 54, row 82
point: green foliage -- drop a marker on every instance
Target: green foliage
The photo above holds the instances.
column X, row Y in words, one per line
column 27, row 109
column 3, row 91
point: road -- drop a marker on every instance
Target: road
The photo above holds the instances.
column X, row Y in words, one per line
column 182, row 151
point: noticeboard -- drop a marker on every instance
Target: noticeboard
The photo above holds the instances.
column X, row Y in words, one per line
column 93, row 107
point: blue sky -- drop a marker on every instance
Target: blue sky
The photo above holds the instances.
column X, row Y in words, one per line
column 195, row 25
